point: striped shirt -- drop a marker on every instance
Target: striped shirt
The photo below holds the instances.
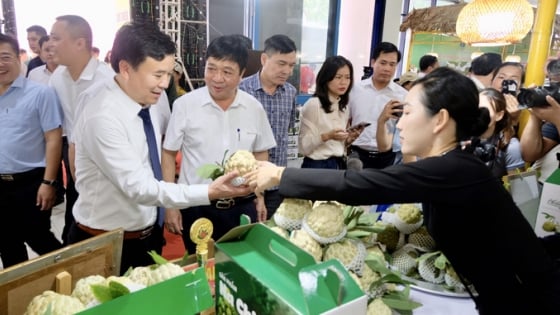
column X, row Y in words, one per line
column 280, row 109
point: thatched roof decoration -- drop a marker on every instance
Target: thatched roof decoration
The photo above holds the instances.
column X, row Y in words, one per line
column 441, row 20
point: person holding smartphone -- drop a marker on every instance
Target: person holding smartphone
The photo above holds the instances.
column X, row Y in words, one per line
column 324, row 117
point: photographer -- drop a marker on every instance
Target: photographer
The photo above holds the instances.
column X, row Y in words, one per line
column 541, row 132
column 509, row 78
column 498, row 147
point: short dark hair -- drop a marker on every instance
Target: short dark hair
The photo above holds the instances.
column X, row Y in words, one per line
column 38, row 29
column 279, row 44
column 134, row 42
column 7, row 39
column 512, row 64
column 78, row 27
column 486, row 63
column 385, row 47
column 245, row 40
column 553, row 67
column 426, row 61
column 326, row 74
column 94, row 50
column 229, row 47
column 445, row 88
column 43, row 40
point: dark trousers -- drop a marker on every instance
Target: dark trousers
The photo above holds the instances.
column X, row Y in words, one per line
column 333, row 162
column 23, row 221
column 134, row 251
column 272, row 200
column 374, row 159
column 222, row 219
column 71, row 193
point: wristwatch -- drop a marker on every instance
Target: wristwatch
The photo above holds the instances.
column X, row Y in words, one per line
column 49, row 182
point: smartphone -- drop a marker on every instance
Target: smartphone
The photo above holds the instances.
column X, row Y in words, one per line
column 399, row 106
column 363, row 124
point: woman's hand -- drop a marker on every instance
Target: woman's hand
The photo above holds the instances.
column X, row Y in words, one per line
column 392, row 110
column 335, row 134
column 512, row 107
column 266, row 175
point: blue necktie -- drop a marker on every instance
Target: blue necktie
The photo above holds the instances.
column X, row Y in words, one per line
column 153, row 150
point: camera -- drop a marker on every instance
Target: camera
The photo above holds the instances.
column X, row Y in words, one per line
column 537, row 97
column 509, row 87
column 484, row 150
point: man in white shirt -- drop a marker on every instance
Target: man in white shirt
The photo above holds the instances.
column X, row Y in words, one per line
column 70, row 43
column 427, row 64
column 114, row 172
column 209, row 121
column 376, row 100
column 42, row 74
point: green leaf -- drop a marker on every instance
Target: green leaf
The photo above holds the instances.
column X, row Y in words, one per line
column 224, row 159
column 211, row 171
column 102, row 293
column 370, row 228
column 185, row 259
column 376, row 263
column 357, row 234
column 157, row 258
column 400, row 304
column 368, row 218
column 117, row 289
column 427, row 255
column 441, row 262
column 128, row 272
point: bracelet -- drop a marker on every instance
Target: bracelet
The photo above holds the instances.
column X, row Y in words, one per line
column 49, row 182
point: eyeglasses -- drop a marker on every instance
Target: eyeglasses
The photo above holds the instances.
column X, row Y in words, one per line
column 7, row 59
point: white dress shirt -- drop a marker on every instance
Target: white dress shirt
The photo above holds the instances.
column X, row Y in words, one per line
column 203, row 131
column 40, row 74
column 366, row 104
column 113, row 172
column 68, row 90
column 314, row 122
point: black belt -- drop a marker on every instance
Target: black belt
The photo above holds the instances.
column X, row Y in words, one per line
column 227, row 203
column 18, row 177
column 372, row 154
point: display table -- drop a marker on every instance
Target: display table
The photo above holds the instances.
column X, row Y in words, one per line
column 433, row 304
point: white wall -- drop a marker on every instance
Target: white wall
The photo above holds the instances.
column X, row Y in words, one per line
column 355, row 28
column 393, row 10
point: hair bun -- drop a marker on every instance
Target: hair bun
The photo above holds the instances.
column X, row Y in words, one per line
column 480, row 124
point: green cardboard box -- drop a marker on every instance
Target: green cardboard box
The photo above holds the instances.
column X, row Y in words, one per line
column 260, row 272
column 187, row 294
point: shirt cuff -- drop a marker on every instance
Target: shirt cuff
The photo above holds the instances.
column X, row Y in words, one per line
column 198, row 195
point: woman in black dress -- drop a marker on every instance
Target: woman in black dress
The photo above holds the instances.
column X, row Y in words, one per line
column 472, row 218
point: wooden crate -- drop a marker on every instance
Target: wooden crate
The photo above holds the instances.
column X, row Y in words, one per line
column 59, row 270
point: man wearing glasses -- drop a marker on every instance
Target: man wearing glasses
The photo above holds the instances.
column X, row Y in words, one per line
column 30, row 124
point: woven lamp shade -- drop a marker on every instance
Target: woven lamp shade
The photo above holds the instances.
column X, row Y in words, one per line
column 494, row 22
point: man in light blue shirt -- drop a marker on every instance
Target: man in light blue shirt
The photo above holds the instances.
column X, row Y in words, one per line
column 31, row 141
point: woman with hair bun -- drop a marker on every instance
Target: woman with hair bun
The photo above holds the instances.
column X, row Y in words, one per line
column 472, row 218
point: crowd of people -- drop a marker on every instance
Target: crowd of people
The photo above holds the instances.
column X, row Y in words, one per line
column 438, row 137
